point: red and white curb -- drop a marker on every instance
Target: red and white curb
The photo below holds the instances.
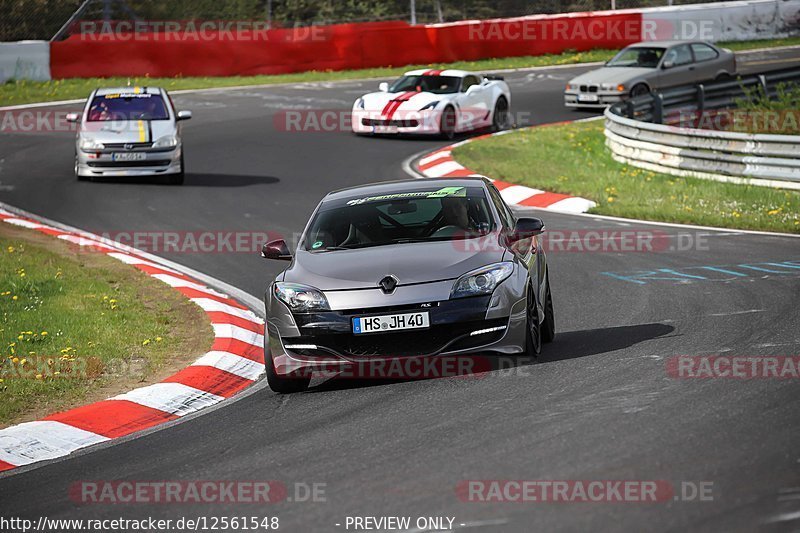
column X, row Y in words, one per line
column 235, row 362
column 440, row 164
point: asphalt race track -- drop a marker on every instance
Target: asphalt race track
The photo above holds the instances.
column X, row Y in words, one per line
column 598, row 405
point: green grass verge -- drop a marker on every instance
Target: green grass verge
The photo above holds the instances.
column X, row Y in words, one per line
column 23, row 92
column 573, row 159
column 72, row 324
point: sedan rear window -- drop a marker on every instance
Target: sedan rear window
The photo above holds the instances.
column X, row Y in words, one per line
column 637, row 56
column 127, row 106
column 431, row 84
column 450, row 213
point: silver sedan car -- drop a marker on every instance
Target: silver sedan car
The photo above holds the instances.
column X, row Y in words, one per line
column 129, row 132
column 648, row 66
column 407, row 270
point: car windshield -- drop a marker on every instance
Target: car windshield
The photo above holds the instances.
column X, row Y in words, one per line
column 445, row 214
column 431, row 84
column 637, row 56
column 127, row 106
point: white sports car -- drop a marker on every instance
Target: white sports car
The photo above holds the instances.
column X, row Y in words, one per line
column 439, row 102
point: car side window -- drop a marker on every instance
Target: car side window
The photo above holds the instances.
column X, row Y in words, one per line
column 703, row 52
column 502, row 209
column 469, row 81
column 679, row 55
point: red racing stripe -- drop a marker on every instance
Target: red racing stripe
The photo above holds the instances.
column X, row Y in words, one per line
column 432, row 73
column 543, row 200
column 194, row 293
column 6, row 466
column 392, row 107
column 240, row 348
column 218, row 317
column 155, row 270
column 210, row 379
column 112, row 418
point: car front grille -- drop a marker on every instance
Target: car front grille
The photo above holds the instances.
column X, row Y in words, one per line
column 127, row 164
column 589, row 88
column 125, row 146
column 406, row 123
column 434, row 340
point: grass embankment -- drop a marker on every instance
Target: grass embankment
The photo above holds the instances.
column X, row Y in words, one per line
column 77, row 327
column 573, row 159
column 22, row 92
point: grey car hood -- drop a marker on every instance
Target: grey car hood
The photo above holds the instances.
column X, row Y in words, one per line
column 409, row 263
column 612, row 75
column 127, row 131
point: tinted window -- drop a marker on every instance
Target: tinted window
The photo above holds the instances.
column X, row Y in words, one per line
column 431, row 84
column 703, row 52
column 638, row 56
column 127, row 106
column 502, row 209
column 444, row 214
column 469, row 81
column 679, row 55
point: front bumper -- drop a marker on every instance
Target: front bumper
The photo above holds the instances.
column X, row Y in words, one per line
column 586, row 99
column 154, row 162
column 324, row 340
column 415, row 123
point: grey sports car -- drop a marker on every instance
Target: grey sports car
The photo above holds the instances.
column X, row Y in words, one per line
column 648, row 66
column 406, row 270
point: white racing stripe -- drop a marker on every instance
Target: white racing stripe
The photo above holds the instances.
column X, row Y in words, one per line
column 517, row 193
column 174, row 398
column 172, row 281
column 133, row 260
column 41, row 440
column 230, row 362
column 443, row 169
column 444, row 154
column 208, row 305
column 84, row 241
column 229, row 331
column 23, row 223
column 572, row 205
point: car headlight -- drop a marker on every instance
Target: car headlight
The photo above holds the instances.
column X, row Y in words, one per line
column 612, row 87
column 572, row 87
column 301, row 297
column 167, row 141
column 482, row 280
column 432, row 105
column 91, row 144
column 360, row 103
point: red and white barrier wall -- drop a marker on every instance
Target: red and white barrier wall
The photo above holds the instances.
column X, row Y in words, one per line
column 201, row 52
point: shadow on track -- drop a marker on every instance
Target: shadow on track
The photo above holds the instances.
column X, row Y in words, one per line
column 567, row 345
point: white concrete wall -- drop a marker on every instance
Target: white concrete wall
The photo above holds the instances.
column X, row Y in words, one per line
column 25, row 60
column 725, row 21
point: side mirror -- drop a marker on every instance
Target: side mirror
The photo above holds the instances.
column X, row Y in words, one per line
column 276, row 249
column 73, row 117
column 184, row 115
column 667, row 65
column 383, row 87
column 525, row 229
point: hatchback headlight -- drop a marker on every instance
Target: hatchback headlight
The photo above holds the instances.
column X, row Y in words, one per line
column 301, row 297
column 167, row 141
column 91, row 144
column 482, row 280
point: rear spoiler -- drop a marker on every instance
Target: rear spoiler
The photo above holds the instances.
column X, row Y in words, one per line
column 493, row 77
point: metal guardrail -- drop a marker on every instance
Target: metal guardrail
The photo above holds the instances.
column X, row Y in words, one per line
column 645, row 132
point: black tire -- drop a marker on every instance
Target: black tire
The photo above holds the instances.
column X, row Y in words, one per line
column 723, row 77
column 639, row 90
column 177, row 179
column 549, row 322
column 500, row 115
column 288, row 384
column 447, row 126
column 533, row 329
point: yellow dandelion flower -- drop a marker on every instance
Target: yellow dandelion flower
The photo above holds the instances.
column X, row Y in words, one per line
column 145, row 342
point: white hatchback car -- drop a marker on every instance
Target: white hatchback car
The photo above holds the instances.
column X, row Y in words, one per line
column 129, row 132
